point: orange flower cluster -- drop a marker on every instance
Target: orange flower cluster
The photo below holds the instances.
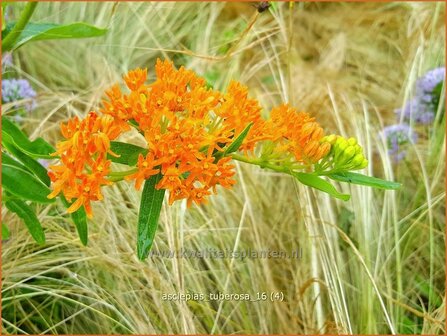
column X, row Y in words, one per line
column 174, row 115
column 184, row 124
column 297, row 133
column 83, row 160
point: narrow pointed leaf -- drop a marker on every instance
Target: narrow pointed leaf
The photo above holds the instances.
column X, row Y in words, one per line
column 150, row 207
column 22, row 184
column 234, row 146
column 128, row 153
column 365, row 180
column 320, row 184
column 79, row 218
column 53, row 31
column 30, row 219
column 38, row 148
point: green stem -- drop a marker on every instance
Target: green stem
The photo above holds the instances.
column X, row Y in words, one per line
column 119, row 176
column 263, row 164
column 10, row 39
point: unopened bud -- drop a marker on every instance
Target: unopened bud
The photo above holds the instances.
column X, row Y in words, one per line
column 329, row 138
column 364, row 164
column 348, row 153
column 357, row 160
column 358, row 149
column 324, row 150
column 352, row 141
column 340, row 145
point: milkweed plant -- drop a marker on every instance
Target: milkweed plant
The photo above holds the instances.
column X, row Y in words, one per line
column 193, row 134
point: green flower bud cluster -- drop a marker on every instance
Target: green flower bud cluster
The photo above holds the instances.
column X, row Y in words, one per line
column 345, row 154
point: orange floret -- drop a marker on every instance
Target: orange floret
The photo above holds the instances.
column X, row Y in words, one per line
column 147, row 167
column 135, row 79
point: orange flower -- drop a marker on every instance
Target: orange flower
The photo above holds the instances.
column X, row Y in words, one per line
column 202, row 171
column 223, row 174
column 237, row 111
column 146, row 168
column 84, row 192
column 173, row 181
column 197, row 195
column 135, row 79
column 83, row 160
column 297, row 133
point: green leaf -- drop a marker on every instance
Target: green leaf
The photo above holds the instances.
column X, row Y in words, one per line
column 79, row 218
column 5, row 232
column 30, row 164
column 38, row 148
column 361, row 179
column 27, row 214
column 53, row 31
column 22, row 184
column 234, row 146
column 150, row 207
column 128, row 153
column 318, row 183
column 6, row 159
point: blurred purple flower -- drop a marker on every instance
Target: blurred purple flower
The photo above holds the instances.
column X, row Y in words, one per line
column 18, row 89
column 44, row 162
column 427, row 83
column 416, row 110
column 422, row 107
column 398, row 137
column 6, row 60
